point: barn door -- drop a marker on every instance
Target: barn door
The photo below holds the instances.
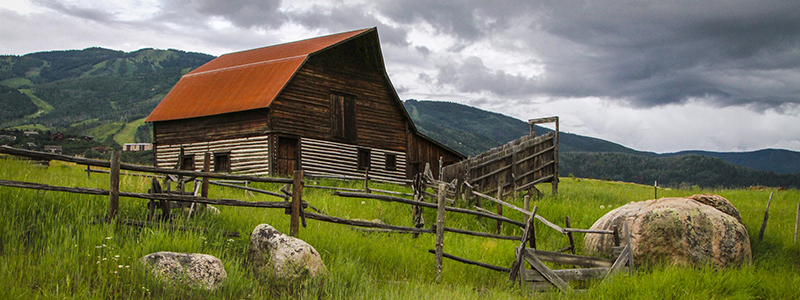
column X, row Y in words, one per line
column 287, row 156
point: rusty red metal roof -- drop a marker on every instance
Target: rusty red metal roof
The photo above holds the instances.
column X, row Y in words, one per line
column 241, row 81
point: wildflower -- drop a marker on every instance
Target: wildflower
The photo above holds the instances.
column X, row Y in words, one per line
column 230, row 240
column 602, row 206
column 120, row 266
column 109, row 237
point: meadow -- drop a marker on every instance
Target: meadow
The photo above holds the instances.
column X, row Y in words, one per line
column 51, row 248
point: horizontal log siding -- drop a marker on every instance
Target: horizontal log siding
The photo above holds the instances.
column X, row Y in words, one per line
column 304, row 106
column 331, row 158
column 211, row 128
column 248, row 155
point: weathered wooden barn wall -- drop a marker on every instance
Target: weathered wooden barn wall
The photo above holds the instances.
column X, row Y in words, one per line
column 211, row 128
column 423, row 150
column 248, row 155
column 332, row 158
column 517, row 165
column 304, row 106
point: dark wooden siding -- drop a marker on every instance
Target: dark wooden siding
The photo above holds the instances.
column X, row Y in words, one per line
column 304, row 106
column 422, row 150
column 212, row 128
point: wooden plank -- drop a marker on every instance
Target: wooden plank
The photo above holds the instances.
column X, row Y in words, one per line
column 631, row 265
column 165, row 197
column 517, row 267
column 330, row 219
column 542, row 120
column 529, row 157
column 527, row 213
column 389, row 198
column 546, row 272
column 215, row 182
column 598, row 231
column 483, row 234
column 535, row 182
column 620, row 262
column 570, row 259
column 567, row 274
column 472, row 262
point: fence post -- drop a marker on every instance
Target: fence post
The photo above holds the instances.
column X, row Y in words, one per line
column 527, row 202
column 796, row 223
column 766, row 216
column 113, row 194
column 297, row 197
column 569, row 235
column 440, row 231
column 206, row 168
column 366, row 180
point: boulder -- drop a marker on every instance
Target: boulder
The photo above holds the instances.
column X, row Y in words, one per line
column 279, row 256
column 201, row 271
column 697, row 230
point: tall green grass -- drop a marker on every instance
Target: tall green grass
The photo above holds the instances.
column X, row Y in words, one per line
column 51, row 248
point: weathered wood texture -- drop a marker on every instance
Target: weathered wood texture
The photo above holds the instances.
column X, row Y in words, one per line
column 424, row 150
column 518, row 165
column 213, row 128
column 472, row 262
column 334, row 158
column 248, row 155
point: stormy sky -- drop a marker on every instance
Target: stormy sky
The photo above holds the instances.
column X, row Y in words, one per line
column 654, row 75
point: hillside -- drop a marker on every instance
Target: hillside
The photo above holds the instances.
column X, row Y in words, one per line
column 89, row 91
column 471, row 130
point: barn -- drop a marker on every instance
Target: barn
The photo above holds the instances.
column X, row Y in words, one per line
column 324, row 105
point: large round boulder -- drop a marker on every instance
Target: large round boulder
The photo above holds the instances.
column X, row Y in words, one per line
column 195, row 270
column 697, row 230
column 279, row 256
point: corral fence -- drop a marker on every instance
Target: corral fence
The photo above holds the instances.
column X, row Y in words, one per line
column 518, row 165
column 291, row 200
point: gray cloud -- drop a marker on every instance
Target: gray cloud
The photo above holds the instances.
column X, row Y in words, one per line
column 473, row 76
column 345, row 18
column 243, row 13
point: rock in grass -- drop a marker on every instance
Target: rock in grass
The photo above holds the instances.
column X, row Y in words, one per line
column 697, row 230
column 278, row 256
column 201, row 271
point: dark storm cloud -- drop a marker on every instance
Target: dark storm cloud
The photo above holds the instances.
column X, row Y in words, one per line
column 346, row 18
column 646, row 53
column 656, row 53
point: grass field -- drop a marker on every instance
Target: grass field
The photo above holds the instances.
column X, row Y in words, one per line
column 49, row 247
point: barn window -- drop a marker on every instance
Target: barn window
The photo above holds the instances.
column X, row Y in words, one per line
column 222, row 162
column 343, row 111
column 391, row 162
column 188, row 162
column 363, row 158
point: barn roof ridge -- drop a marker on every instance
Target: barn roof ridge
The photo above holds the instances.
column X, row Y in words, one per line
column 245, row 65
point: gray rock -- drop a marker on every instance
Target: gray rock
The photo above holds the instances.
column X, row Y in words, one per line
column 201, row 271
column 279, row 256
column 697, row 230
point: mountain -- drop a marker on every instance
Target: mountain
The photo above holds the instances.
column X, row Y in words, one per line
column 95, row 91
column 780, row 161
column 470, row 131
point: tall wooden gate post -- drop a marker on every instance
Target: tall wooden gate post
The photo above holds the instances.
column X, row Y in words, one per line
column 297, row 198
column 113, row 194
column 440, row 231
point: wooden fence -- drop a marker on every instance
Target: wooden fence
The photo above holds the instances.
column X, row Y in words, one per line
column 291, row 195
column 515, row 166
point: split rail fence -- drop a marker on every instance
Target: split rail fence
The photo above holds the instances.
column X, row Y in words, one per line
column 291, row 195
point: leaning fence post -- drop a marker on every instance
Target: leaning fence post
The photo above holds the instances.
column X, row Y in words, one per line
column 440, row 231
column 499, row 206
column 297, row 197
column 766, row 216
column 113, row 194
column 569, row 235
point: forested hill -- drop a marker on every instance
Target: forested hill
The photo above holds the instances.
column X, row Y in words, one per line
column 470, row 130
column 80, row 91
